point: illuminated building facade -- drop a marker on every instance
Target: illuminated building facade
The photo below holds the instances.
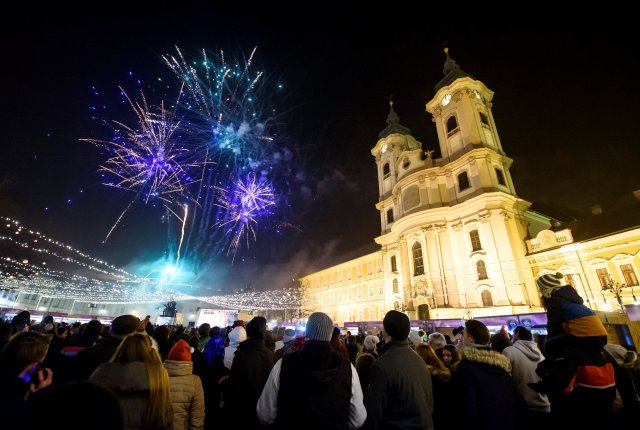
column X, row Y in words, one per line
column 455, row 236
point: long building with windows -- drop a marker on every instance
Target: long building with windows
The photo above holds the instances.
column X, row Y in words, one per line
column 456, row 241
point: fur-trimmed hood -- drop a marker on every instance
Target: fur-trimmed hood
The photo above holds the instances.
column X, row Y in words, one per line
column 485, row 356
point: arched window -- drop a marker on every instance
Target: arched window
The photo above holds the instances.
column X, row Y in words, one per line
column 463, row 181
column 452, row 124
column 487, row 300
column 418, row 263
column 481, row 269
column 394, row 265
column 386, row 170
column 484, row 119
column 475, row 240
column 395, row 286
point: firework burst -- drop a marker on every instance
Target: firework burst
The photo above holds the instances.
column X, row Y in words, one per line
column 249, row 200
column 229, row 105
column 149, row 160
column 217, row 156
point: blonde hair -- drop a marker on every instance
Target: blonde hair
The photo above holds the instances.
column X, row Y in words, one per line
column 137, row 347
column 429, row 356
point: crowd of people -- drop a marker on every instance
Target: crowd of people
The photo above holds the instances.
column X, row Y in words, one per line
column 134, row 375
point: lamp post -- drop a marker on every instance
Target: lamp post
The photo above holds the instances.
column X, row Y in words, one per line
column 616, row 288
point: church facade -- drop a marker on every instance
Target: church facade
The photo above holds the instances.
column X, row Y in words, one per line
column 456, row 240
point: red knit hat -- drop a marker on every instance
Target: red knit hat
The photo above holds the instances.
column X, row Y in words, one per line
column 180, row 351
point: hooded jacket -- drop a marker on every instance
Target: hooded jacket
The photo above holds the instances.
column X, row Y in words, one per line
column 237, row 336
column 566, row 313
column 486, row 393
column 524, row 356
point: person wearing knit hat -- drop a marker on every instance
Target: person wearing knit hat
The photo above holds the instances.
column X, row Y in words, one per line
column 547, row 283
column 180, row 351
column 314, row 385
column 319, row 327
column 399, row 366
column 257, row 328
column 397, row 325
column 185, row 388
column 575, row 371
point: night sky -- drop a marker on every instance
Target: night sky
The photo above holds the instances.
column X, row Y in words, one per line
column 566, row 107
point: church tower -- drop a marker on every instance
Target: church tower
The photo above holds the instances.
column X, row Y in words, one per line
column 453, row 227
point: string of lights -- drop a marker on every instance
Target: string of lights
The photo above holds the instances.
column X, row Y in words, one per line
column 33, row 275
column 288, row 298
column 38, row 238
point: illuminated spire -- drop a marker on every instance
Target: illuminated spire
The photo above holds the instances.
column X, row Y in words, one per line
column 451, row 71
column 393, row 123
column 449, row 64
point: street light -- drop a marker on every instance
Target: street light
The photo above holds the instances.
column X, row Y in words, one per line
column 616, row 288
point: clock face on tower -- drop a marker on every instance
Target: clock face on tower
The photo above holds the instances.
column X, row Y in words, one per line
column 477, row 94
column 446, row 99
column 384, row 148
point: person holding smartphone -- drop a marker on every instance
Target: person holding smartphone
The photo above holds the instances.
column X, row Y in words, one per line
column 21, row 376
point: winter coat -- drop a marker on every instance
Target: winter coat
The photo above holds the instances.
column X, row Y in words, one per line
column 187, row 395
column 250, row 370
column 578, row 379
column 484, row 391
column 130, row 383
column 400, row 394
column 524, row 357
column 567, row 314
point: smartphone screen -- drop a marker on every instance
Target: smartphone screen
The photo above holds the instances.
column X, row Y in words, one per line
column 32, row 376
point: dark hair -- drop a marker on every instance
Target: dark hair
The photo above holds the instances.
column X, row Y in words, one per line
column 523, row 333
column 203, row 330
column 455, row 356
column 478, row 331
column 22, row 350
column 20, row 321
column 499, row 341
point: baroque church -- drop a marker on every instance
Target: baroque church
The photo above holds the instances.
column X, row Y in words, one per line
column 456, row 241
